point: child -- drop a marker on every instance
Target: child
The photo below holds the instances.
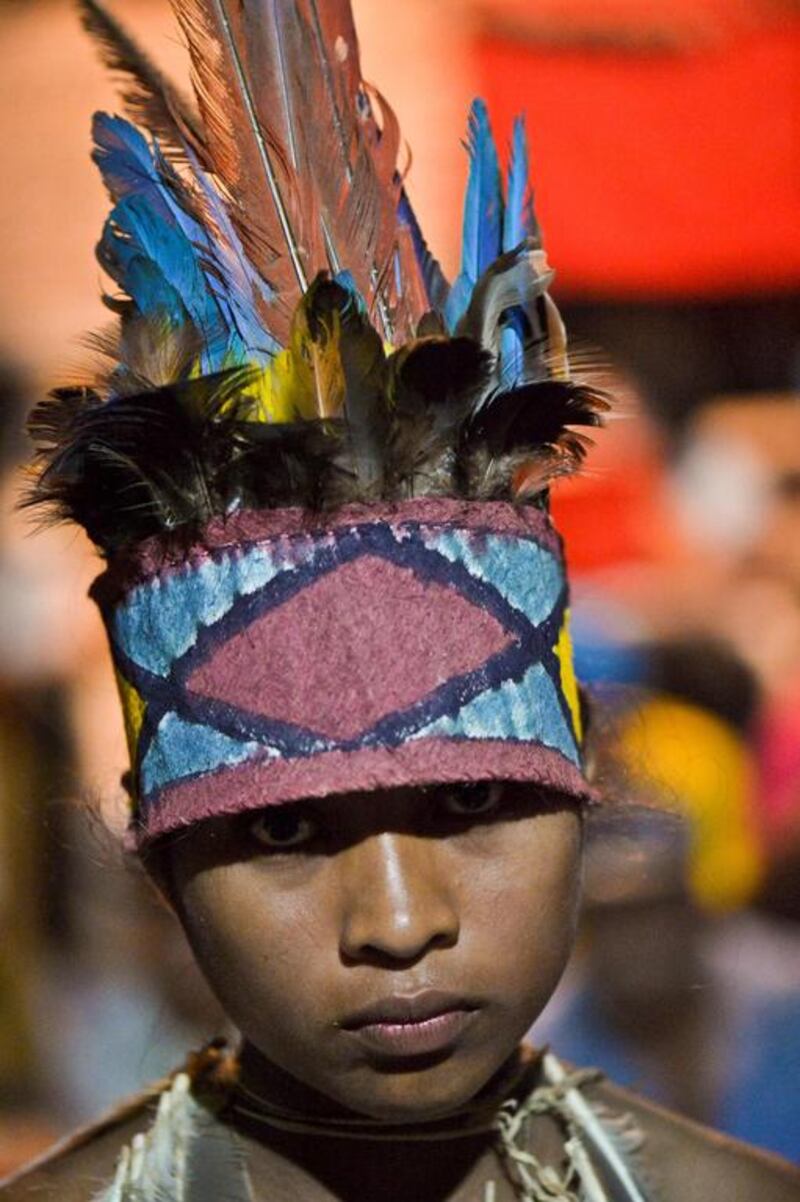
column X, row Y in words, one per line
column 338, row 613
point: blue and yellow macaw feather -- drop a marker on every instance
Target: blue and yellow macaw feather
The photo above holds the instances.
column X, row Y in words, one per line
column 164, row 258
column 483, row 213
column 494, row 222
column 172, row 248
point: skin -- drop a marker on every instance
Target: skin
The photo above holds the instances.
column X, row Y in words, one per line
column 300, row 918
column 396, row 892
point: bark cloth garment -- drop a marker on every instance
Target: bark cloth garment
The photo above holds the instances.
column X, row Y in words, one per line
column 190, row 1154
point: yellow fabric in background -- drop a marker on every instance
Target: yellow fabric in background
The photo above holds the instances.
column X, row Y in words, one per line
column 686, row 759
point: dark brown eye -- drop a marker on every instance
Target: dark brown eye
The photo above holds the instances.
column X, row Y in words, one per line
column 281, row 829
column 472, row 801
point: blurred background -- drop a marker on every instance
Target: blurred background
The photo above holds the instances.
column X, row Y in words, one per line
column 666, row 157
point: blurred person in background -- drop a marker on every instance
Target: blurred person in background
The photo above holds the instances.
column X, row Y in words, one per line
column 688, row 278
column 34, row 768
column 678, row 968
column 75, row 971
column 698, row 1008
column 738, row 486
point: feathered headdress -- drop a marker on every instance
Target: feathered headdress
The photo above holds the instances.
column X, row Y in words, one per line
column 287, row 342
column 285, row 335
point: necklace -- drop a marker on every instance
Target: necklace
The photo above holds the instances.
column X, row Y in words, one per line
column 477, row 1117
column 556, row 1095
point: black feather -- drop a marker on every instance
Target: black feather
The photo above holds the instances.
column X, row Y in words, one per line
column 166, row 461
column 433, row 384
column 363, row 365
column 536, row 415
column 427, row 421
column 434, row 371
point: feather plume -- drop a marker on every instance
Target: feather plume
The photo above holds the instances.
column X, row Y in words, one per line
column 157, row 246
column 363, row 366
column 483, row 214
column 534, row 416
column 519, row 224
column 521, row 440
column 519, row 218
column 433, row 278
column 515, row 280
column 188, row 1155
column 233, row 57
column 306, row 155
column 266, row 253
column 433, row 384
column 155, row 354
column 602, row 1142
column 140, row 465
column 428, row 421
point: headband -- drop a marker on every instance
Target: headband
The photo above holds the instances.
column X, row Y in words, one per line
column 286, row 657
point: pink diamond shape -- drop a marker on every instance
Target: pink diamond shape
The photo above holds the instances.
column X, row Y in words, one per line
column 364, row 641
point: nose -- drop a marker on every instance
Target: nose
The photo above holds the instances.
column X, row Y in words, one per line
column 397, row 901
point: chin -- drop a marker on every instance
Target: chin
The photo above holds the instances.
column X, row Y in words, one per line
column 416, row 1092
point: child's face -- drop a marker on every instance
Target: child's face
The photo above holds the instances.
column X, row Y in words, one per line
column 388, row 950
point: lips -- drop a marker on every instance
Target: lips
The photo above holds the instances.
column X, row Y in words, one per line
column 420, row 1024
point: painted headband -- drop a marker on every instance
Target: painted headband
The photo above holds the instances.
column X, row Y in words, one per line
column 290, row 655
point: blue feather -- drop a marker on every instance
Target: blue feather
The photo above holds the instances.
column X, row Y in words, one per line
column 436, row 285
column 230, row 272
column 483, row 213
column 123, row 156
column 136, row 222
column 215, row 283
column 520, row 220
column 151, row 293
column 150, row 243
column 519, row 223
column 130, row 167
column 512, row 358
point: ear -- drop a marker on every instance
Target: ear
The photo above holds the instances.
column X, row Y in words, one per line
column 154, row 861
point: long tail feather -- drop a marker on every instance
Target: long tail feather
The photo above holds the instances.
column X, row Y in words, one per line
column 249, row 157
column 149, row 97
column 519, row 224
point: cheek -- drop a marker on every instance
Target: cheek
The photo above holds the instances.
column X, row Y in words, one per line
column 527, row 907
column 259, row 958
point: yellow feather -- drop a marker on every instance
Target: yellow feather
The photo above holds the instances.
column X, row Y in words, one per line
column 273, row 391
